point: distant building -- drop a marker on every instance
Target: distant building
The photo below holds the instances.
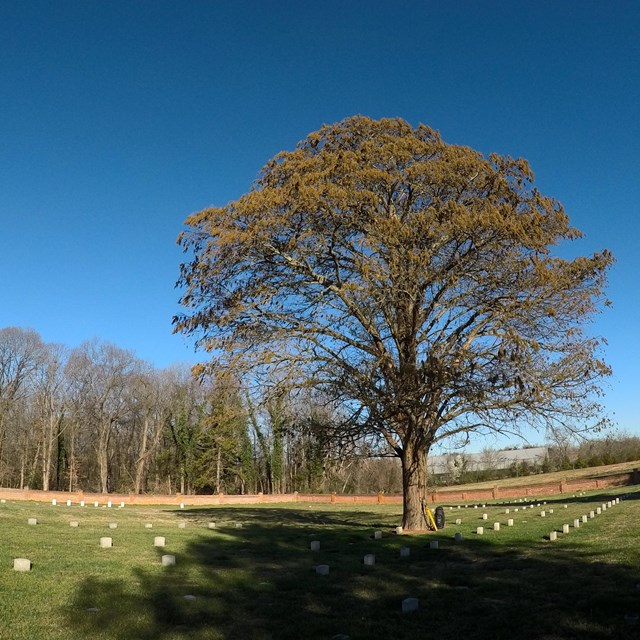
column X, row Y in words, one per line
column 453, row 463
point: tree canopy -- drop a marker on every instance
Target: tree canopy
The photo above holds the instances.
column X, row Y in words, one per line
column 410, row 278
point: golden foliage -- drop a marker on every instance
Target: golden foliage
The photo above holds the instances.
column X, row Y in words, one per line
column 411, row 277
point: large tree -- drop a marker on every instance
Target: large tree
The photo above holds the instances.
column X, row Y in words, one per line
column 412, row 278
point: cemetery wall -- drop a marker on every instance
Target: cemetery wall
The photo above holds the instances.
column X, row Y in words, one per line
column 449, row 494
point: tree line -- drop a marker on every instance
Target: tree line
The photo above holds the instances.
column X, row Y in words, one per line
column 98, row 418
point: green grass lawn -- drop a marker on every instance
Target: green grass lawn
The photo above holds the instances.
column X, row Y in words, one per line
column 259, row 581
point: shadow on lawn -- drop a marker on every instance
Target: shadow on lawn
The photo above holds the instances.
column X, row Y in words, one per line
column 259, row 582
column 299, row 516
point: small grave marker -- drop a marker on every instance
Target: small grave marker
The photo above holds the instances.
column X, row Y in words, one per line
column 565, row 528
column 369, row 559
column 458, row 520
column 315, row 545
column 322, row 569
column 485, row 516
column 113, row 525
column 592, row 514
column 73, row 523
column 96, row 504
column 54, row 502
column 82, row 503
column 458, row 537
column 212, row 525
column 584, row 519
column 21, row 564
column 405, row 552
column 434, row 544
column 510, row 522
column 159, row 541
column 122, row 505
column 377, row 535
column 480, row 531
column 182, row 525
column 553, row 536
column 496, row 526
column 105, row 543
column 68, row 503
column 398, row 530
column 109, row 504
column 543, row 514
column 168, row 560
column 32, row 521
column 576, row 524
column 148, row 525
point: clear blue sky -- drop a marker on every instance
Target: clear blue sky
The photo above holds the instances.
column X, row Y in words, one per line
column 119, row 118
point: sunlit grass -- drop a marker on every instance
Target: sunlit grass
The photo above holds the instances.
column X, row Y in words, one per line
column 258, row 581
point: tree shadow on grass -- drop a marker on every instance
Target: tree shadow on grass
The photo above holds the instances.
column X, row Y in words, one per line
column 298, row 518
column 259, row 582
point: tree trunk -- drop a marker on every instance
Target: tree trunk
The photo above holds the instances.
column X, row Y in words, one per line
column 218, row 469
column 142, row 458
column 103, row 456
column 414, row 488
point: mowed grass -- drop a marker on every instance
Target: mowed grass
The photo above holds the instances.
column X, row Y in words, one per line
column 259, row 581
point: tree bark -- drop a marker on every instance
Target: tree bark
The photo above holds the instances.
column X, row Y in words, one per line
column 218, row 469
column 414, row 488
column 142, row 458
column 103, row 455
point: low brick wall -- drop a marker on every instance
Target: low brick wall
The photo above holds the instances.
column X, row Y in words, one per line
column 445, row 495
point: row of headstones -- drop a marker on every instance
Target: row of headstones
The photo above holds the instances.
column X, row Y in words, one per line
column 553, row 535
column 24, row 564
column 565, row 527
column 109, row 504
column 511, row 502
column 82, row 503
column 148, row 525
column 496, row 525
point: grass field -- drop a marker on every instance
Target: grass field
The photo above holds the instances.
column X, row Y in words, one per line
column 569, row 475
column 259, row 581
